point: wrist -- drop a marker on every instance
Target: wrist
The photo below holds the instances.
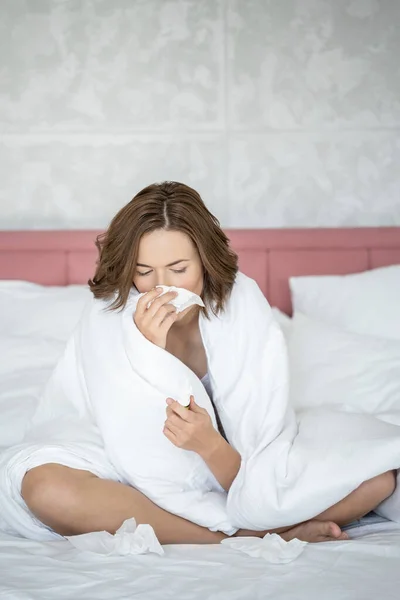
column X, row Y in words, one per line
column 213, row 446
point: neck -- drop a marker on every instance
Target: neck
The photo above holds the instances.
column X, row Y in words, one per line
column 190, row 319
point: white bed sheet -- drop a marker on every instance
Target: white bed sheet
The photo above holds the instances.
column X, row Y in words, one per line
column 365, row 567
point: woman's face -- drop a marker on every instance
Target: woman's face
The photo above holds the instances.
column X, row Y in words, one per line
column 168, row 258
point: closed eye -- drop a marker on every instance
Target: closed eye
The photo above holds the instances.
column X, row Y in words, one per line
column 174, row 270
column 179, row 270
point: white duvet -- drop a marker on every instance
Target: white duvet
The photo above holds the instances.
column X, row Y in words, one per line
column 104, row 410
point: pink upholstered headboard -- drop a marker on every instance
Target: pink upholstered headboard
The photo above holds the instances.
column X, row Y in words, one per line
column 270, row 256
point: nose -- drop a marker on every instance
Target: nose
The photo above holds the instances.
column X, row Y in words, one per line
column 162, row 279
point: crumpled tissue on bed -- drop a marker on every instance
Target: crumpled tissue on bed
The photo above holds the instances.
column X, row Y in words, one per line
column 183, row 300
column 131, row 539
column 271, row 547
column 128, row 539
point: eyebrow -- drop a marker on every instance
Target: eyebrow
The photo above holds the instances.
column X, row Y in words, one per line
column 170, row 264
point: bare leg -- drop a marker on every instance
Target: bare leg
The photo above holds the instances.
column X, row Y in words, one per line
column 360, row 502
column 326, row 526
column 71, row 502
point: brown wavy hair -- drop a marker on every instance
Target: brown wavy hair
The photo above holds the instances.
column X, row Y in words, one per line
column 171, row 206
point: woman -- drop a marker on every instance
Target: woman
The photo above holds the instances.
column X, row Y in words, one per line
column 166, row 236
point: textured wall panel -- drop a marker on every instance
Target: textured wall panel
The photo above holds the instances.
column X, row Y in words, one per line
column 316, row 179
column 282, row 114
column 308, row 63
column 81, row 181
column 110, row 66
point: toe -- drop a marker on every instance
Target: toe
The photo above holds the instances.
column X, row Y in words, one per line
column 328, row 530
column 333, row 530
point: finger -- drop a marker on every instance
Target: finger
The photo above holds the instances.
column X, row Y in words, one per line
column 176, row 421
column 172, row 427
column 168, row 434
column 182, row 411
column 151, row 318
column 169, row 320
column 195, row 407
column 170, row 412
column 164, row 312
column 161, row 301
column 142, row 303
column 163, row 319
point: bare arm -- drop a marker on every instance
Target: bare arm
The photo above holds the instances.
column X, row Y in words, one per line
column 193, row 430
column 222, row 460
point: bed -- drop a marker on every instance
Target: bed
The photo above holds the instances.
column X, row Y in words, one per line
column 364, row 567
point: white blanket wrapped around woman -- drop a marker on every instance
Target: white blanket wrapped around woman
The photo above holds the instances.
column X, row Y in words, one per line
column 109, row 391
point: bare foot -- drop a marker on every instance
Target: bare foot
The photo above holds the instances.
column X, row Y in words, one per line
column 315, row 531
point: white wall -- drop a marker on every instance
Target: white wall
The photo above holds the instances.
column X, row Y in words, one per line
column 280, row 112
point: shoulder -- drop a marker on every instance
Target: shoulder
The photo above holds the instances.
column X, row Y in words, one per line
column 246, row 298
column 246, row 289
column 100, row 321
column 107, row 305
column 99, row 309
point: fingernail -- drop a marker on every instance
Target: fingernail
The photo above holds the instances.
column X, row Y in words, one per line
column 169, row 401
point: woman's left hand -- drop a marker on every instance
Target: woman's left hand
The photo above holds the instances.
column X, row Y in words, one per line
column 190, row 429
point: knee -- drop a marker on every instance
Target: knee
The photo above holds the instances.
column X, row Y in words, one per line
column 379, row 488
column 390, row 482
column 386, row 484
column 49, row 488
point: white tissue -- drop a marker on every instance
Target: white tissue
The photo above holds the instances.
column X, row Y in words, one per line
column 183, row 300
column 271, row 547
column 129, row 539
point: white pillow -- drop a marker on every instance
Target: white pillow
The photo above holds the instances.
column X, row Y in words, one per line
column 367, row 303
column 353, row 372
column 47, row 311
column 25, row 366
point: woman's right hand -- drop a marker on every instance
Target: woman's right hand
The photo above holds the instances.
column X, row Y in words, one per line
column 155, row 322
